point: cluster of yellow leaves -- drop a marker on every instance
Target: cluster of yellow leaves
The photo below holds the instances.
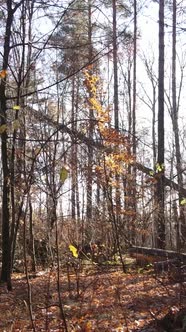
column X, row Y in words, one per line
column 115, row 162
column 90, row 82
column 159, row 167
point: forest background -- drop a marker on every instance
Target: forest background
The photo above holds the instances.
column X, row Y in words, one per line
column 92, row 127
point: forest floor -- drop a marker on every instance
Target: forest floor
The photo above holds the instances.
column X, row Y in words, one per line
column 94, row 300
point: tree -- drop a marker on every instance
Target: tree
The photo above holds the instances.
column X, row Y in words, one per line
column 6, row 248
column 115, row 65
column 75, row 37
column 134, row 147
column 160, row 193
column 174, row 116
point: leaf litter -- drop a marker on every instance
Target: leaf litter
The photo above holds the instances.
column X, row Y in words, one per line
column 106, row 302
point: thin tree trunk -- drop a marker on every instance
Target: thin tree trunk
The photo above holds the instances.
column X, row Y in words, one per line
column 76, row 152
column 176, row 126
column 90, row 149
column 16, row 168
column 29, row 290
column 161, row 145
column 116, row 101
column 18, row 164
column 115, row 65
column 32, row 244
column 134, row 84
column 127, row 182
column 134, row 202
column 73, row 160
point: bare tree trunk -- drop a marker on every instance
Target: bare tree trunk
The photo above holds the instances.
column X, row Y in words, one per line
column 90, row 149
column 6, row 245
column 18, row 164
column 134, row 202
column 76, row 153
column 134, row 84
column 152, row 105
column 32, row 244
column 73, row 161
column 127, row 182
column 161, row 145
column 115, row 64
column 116, row 101
column 174, row 114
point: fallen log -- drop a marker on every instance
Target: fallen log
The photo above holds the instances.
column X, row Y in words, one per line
column 166, row 266
column 162, row 261
column 158, row 253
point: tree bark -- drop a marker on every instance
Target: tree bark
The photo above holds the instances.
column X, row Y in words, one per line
column 134, row 202
column 6, row 246
column 73, row 159
column 161, row 145
column 90, row 149
column 31, row 231
column 174, row 114
column 115, row 65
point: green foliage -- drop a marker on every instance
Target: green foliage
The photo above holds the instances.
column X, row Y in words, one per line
column 72, row 36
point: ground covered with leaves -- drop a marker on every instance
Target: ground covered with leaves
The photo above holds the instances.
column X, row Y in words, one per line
column 93, row 300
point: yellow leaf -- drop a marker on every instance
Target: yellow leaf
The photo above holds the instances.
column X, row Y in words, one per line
column 159, row 167
column 73, row 250
column 3, row 128
column 63, row 174
column 16, row 107
column 88, row 326
column 183, row 201
column 3, row 73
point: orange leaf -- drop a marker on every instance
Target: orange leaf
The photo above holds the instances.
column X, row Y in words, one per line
column 3, row 73
column 88, row 327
